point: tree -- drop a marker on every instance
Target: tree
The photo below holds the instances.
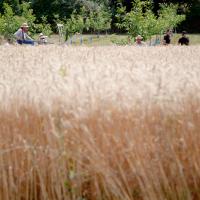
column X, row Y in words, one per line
column 28, row 16
column 62, row 9
column 168, row 17
column 189, row 7
column 142, row 21
column 14, row 4
column 75, row 24
column 8, row 22
column 100, row 20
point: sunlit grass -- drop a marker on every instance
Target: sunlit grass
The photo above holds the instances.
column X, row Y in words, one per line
column 110, row 123
column 118, row 39
column 194, row 39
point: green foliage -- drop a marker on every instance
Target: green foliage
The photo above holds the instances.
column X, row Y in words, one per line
column 91, row 16
column 43, row 27
column 28, row 16
column 119, row 41
column 142, row 21
column 100, row 20
column 168, row 17
column 64, row 8
column 14, row 4
column 75, row 24
column 88, row 20
column 8, row 22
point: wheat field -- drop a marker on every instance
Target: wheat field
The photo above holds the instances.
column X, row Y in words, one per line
column 99, row 123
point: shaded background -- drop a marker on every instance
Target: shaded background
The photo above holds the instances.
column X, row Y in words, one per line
column 64, row 8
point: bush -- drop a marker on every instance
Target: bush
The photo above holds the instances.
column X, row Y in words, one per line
column 8, row 22
column 75, row 24
column 142, row 21
column 44, row 27
column 88, row 20
column 168, row 17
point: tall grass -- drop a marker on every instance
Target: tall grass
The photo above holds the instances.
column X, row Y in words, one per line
column 99, row 123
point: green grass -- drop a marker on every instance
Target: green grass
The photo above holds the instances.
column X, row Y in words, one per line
column 194, row 39
column 101, row 40
column 110, row 39
column 104, row 40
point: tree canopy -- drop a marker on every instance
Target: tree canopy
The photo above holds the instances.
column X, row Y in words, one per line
column 63, row 9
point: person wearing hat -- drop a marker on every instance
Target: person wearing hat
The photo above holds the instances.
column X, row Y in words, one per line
column 22, row 36
column 42, row 39
column 139, row 41
column 184, row 40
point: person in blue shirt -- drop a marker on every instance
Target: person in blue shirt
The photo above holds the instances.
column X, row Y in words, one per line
column 22, row 35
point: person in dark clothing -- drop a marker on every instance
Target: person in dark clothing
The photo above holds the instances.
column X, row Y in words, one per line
column 184, row 40
column 167, row 38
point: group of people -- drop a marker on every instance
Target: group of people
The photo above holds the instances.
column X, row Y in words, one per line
column 22, row 36
column 183, row 40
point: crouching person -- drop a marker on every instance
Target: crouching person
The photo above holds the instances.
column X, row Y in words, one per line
column 22, row 36
column 139, row 41
column 42, row 39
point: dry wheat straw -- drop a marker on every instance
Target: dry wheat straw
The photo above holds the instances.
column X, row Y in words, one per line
column 117, row 123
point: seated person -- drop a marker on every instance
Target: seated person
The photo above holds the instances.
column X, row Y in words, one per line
column 139, row 41
column 42, row 39
column 184, row 40
column 22, row 36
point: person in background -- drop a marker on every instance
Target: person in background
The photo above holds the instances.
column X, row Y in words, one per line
column 139, row 41
column 22, row 35
column 184, row 40
column 42, row 39
column 167, row 38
